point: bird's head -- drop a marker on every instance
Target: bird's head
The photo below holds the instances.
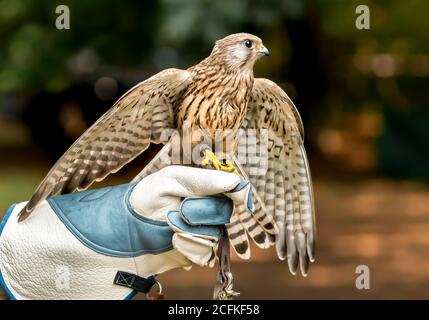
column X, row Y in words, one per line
column 239, row 51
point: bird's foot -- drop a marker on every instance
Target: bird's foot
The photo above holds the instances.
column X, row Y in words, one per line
column 228, row 167
column 210, row 159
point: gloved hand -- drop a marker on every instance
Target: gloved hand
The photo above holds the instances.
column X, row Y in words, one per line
column 195, row 203
column 76, row 246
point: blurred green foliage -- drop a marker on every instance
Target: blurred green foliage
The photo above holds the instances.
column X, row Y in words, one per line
column 34, row 55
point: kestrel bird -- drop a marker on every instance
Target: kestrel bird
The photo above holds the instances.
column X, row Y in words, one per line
column 220, row 92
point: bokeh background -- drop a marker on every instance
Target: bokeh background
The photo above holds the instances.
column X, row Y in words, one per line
column 363, row 96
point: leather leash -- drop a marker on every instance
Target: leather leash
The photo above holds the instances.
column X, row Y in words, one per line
column 224, row 280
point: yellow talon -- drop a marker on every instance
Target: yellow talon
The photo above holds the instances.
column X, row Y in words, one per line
column 228, row 167
column 211, row 159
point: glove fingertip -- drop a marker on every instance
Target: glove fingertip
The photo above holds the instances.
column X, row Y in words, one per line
column 250, row 205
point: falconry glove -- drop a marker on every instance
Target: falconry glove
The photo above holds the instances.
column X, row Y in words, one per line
column 109, row 243
column 195, row 203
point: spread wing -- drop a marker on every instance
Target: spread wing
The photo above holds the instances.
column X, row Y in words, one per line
column 278, row 169
column 121, row 134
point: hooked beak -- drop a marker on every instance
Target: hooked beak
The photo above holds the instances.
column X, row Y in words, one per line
column 264, row 51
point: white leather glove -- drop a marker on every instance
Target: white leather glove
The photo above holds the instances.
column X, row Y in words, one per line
column 179, row 195
column 73, row 246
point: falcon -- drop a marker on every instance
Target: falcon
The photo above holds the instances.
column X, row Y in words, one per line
column 219, row 93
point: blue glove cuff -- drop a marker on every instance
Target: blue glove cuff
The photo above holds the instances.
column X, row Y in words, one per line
column 104, row 221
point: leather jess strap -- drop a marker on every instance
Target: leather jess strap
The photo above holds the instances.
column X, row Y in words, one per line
column 224, row 280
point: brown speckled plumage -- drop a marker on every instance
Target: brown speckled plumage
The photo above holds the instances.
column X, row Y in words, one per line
column 218, row 93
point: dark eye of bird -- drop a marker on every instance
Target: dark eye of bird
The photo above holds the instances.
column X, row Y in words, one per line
column 248, row 43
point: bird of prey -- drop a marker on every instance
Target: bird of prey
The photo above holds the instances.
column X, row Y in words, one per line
column 220, row 92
